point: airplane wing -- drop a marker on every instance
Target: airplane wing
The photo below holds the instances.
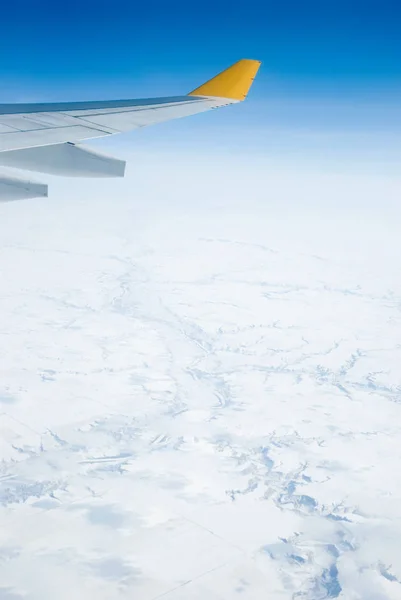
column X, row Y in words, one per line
column 44, row 137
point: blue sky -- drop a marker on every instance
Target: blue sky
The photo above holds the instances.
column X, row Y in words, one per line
column 328, row 41
column 328, row 67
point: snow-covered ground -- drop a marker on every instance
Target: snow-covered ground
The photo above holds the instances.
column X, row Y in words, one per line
column 200, row 388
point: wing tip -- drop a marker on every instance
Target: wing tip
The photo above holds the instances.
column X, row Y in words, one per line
column 233, row 83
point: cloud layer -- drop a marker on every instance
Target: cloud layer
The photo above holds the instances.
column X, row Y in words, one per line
column 200, row 391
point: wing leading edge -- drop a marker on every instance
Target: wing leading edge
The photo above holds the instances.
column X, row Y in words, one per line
column 26, row 128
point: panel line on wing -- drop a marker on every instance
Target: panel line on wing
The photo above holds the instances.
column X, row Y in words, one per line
column 59, row 127
column 136, row 109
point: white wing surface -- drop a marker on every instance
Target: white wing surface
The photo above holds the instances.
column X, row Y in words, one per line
column 32, row 125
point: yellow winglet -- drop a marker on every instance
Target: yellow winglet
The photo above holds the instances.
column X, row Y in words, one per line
column 233, row 83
